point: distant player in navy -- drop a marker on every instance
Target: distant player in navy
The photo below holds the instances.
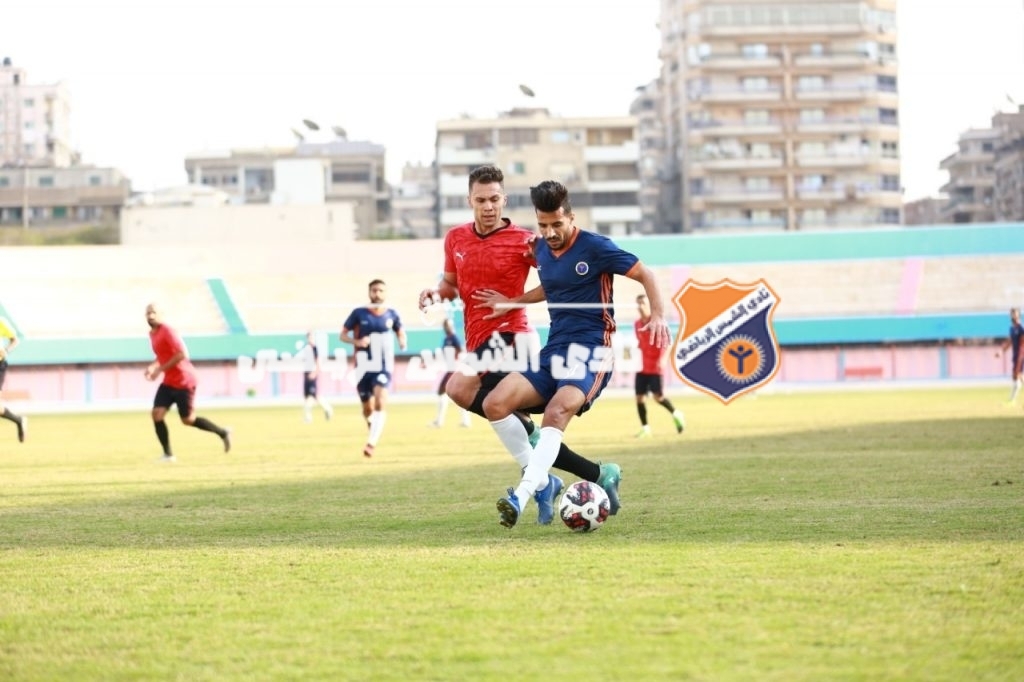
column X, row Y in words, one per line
column 451, row 340
column 372, row 330
column 310, row 356
column 1015, row 344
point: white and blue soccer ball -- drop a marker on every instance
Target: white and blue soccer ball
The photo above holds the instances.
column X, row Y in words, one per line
column 584, row 507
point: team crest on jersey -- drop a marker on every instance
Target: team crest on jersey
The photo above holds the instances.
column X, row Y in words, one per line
column 582, row 268
column 726, row 344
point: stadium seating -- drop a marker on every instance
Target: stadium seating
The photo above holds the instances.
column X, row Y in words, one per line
column 70, row 292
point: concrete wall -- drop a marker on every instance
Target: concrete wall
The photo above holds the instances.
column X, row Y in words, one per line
column 243, row 225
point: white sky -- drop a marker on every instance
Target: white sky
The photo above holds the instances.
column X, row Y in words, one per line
column 154, row 80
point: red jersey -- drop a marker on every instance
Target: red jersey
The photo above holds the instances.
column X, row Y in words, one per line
column 653, row 357
column 166, row 344
column 500, row 260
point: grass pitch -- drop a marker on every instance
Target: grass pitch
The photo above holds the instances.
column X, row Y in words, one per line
column 839, row 536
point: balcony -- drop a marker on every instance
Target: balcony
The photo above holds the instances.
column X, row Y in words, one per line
column 733, row 128
column 613, row 186
column 737, row 94
column 464, row 157
column 775, row 30
column 739, row 162
column 838, row 93
column 968, row 183
column 627, row 152
column 615, row 214
column 837, row 159
column 729, row 62
column 741, row 195
column 842, row 60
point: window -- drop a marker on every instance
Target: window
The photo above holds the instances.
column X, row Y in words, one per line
column 758, row 184
column 518, row 136
column 812, row 115
column 95, row 180
column 477, row 140
column 888, row 116
column 811, row 83
column 560, row 136
column 29, row 103
column 517, row 168
column 890, row 150
column 46, row 181
column 814, row 216
column 5, row 181
column 30, row 125
column 349, row 175
column 816, row 49
column 60, row 212
column 754, row 50
column 887, row 83
column 755, row 83
column 891, row 183
column 891, row 215
column 755, row 116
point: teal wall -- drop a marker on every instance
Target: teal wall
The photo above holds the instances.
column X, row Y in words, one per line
column 658, row 251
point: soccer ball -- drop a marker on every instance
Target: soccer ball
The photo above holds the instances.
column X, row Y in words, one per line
column 584, row 507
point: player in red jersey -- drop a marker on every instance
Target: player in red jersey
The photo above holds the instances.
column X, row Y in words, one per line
column 492, row 254
column 178, row 386
column 649, row 378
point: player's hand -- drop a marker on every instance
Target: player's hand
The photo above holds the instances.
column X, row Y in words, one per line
column 3, row 353
column 531, row 247
column 429, row 297
column 489, row 298
column 151, row 372
column 657, row 328
column 362, row 343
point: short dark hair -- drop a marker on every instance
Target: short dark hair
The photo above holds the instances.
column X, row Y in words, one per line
column 549, row 196
column 485, row 175
column 375, row 281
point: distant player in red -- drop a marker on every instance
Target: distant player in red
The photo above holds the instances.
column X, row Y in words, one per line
column 493, row 255
column 178, row 386
column 649, row 378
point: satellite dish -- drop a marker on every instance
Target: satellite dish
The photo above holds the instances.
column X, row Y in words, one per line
column 526, row 90
column 298, row 136
column 339, row 132
column 310, row 124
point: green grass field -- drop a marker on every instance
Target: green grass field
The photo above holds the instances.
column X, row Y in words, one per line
column 817, row 536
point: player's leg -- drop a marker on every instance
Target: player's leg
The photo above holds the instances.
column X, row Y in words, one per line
column 442, row 401
column 378, row 413
column 500, row 406
column 659, row 397
column 161, row 402
column 1017, row 374
column 640, row 391
column 315, row 392
column 19, row 422
column 185, row 399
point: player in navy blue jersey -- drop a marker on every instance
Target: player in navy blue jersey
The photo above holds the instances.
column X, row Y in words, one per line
column 372, row 330
column 451, row 340
column 1015, row 344
column 576, row 269
column 310, row 357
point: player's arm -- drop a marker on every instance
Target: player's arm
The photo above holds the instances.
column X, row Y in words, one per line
column 12, row 341
column 657, row 326
column 348, row 336
column 501, row 304
column 447, row 290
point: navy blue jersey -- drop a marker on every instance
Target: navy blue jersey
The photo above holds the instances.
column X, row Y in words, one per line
column 1016, row 334
column 366, row 321
column 580, row 278
column 452, row 341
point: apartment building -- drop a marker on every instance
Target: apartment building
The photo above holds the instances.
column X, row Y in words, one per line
column 53, row 197
column 35, row 120
column 596, row 158
column 414, row 203
column 986, row 173
column 656, row 197
column 1008, row 193
column 972, row 178
column 925, row 211
column 344, row 171
column 781, row 115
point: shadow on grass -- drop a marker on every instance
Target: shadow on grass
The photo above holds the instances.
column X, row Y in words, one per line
column 936, row 481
